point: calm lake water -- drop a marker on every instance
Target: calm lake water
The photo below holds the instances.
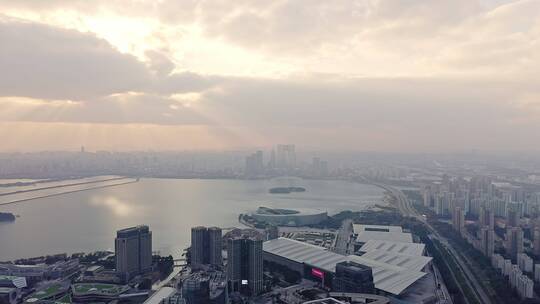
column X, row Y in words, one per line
column 87, row 221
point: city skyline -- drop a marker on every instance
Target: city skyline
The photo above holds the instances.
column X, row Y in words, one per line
column 355, row 75
column 281, row 151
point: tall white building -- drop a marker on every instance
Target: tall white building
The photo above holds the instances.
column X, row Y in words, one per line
column 514, row 241
column 254, row 165
column 286, row 157
column 441, row 205
column 525, row 263
column 487, row 241
column 497, row 261
column 536, row 240
column 507, row 267
column 515, row 273
column 537, row 272
column 427, row 197
column 487, row 218
column 498, row 206
column 458, row 220
column 525, row 286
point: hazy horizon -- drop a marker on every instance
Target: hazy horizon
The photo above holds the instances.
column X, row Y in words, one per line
column 364, row 75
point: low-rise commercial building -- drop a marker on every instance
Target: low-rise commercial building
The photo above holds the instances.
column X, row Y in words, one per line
column 89, row 292
column 49, row 292
column 40, row 272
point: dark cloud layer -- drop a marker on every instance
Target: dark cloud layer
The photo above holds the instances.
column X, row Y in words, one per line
column 44, row 62
column 41, row 61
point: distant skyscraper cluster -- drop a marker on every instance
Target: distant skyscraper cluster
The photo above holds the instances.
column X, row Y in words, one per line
column 286, row 157
column 255, row 165
column 283, row 160
column 319, row 168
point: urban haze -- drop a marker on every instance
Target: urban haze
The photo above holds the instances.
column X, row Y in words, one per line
column 269, row 152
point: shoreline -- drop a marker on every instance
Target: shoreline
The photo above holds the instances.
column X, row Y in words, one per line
column 61, row 186
column 72, row 191
column 386, row 193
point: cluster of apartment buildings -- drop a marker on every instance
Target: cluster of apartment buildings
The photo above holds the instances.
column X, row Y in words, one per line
column 489, row 205
column 473, row 193
column 515, row 273
column 244, row 269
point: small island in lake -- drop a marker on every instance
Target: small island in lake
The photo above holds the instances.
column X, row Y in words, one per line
column 286, row 190
column 7, row 217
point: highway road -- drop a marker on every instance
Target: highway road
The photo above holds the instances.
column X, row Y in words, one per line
column 406, row 208
column 343, row 241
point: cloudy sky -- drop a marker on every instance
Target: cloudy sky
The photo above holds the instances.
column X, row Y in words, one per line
column 377, row 75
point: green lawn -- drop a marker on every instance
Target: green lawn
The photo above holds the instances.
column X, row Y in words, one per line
column 101, row 288
column 44, row 293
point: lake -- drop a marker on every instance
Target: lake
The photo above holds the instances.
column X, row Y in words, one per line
column 87, row 221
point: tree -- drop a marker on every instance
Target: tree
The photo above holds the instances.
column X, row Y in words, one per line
column 145, row 284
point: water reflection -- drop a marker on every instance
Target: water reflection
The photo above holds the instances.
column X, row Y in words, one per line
column 117, row 206
column 88, row 220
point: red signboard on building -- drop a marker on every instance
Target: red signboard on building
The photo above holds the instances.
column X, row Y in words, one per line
column 317, row 273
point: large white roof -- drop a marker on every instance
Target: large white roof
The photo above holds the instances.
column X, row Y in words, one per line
column 411, row 262
column 304, row 253
column 395, row 247
column 386, row 276
column 361, row 228
column 365, row 236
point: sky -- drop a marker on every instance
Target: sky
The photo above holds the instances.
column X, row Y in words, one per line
column 354, row 75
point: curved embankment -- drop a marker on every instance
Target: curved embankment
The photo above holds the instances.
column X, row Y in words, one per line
column 16, row 201
column 62, row 186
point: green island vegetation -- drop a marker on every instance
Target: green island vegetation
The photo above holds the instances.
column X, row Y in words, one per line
column 286, row 190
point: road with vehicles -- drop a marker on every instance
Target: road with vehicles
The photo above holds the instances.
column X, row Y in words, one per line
column 343, row 242
column 406, row 208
